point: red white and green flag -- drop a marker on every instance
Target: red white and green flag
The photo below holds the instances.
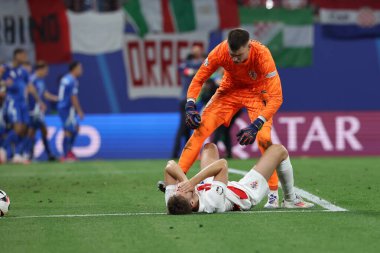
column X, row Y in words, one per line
column 169, row 16
column 289, row 34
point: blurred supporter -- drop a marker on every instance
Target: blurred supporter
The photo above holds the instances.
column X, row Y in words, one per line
column 208, row 90
column 108, row 5
column 36, row 115
column 79, row 5
column 69, row 109
column 289, row 4
column 187, row 70
column 96, row 5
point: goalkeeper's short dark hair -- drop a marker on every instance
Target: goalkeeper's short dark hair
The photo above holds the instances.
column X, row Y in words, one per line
column 237, row 38
column 179, row 205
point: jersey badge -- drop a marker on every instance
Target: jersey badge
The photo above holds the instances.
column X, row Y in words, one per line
column 205, row 63
column 252, row 74
column 219, row 190
column 254, row 184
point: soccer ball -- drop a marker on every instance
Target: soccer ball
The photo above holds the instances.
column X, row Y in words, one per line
column 4, row 203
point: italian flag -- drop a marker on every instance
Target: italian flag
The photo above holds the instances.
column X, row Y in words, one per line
column 289, row 34
column 170, row 16
column 50, row 32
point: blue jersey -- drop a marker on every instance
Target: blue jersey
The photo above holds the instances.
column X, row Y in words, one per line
column 20, row 78
column 39, row 85
column 68, row 87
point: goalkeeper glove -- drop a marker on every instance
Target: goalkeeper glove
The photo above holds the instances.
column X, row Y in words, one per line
column 193, row 119
column 248, row 135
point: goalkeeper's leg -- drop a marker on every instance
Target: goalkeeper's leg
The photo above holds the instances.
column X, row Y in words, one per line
column 191, row 150
column 264, row 141
column 219, row 110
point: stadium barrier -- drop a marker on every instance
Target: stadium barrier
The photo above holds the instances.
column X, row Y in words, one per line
column 151, row 136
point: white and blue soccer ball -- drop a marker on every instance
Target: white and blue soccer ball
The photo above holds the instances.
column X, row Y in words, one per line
column 4, row 203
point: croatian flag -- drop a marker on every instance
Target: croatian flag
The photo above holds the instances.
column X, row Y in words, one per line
column 350, row 18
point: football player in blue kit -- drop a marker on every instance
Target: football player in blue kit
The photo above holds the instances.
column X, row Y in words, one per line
column 36, row 115
column 3, row 123
column 69, row 109
column 16, row 105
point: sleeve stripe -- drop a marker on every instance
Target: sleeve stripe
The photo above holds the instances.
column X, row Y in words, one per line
column 271, row 74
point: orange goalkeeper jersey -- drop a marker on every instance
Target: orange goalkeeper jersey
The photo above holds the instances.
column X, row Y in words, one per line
column 256, row 77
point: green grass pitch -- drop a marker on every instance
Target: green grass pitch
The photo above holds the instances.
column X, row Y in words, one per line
column 128, row 187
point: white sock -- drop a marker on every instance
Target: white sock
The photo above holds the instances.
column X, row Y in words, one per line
column 275, row 192
column 285, row 174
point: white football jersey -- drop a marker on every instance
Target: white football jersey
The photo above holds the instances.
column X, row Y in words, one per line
column 212, row 197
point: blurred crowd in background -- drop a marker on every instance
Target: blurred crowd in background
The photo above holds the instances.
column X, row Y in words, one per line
column 112, row 5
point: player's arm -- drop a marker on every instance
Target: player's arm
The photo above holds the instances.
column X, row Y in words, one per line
column 173, row 173
column 217, row 169
column 76, row 104
column 193, row 119
column 75, row 101
column 31, row 89
column 5, row 82
column 50, row 96
column 272, row 96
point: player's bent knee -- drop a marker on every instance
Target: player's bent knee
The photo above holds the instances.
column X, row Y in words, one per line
column 224, row 163
column 170, row 164
column 210, row 146
column 282, row 151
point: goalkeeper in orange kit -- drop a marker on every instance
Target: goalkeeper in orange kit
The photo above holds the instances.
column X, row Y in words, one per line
column 250, row 80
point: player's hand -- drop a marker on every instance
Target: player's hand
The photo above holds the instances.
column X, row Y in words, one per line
column 193, row 119
column 42, row 106
column 185, row 186
column 248, row 135
column 81, row 115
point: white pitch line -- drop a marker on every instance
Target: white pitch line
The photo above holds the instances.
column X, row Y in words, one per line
column 317, row 200
column 304, row 194
column 148, row 214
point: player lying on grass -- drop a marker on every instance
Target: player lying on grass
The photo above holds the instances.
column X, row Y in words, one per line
column 210, row 191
